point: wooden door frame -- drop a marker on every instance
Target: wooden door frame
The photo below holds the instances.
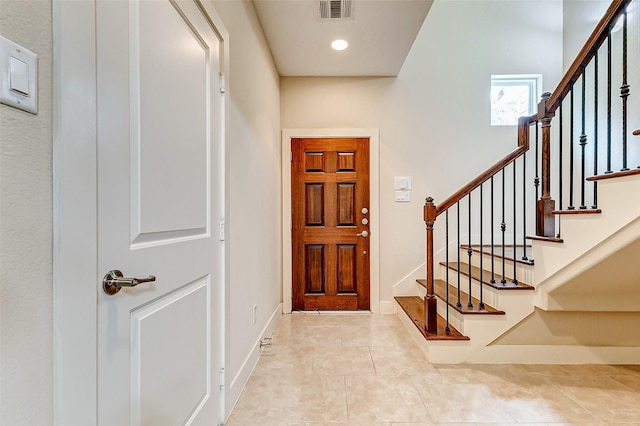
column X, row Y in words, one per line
column 374, row 200
column 75, row 242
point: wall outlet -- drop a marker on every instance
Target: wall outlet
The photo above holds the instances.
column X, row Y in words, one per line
column 255, row 313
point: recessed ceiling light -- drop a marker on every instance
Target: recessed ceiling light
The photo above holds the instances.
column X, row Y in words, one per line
column 339, row 44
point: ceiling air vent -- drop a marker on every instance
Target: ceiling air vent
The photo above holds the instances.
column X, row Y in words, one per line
column 335, row 9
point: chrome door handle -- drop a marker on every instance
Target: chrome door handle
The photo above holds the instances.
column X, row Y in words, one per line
column 114, row 281
column 364, row 234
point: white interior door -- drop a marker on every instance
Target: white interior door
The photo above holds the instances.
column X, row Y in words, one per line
column 160, row 198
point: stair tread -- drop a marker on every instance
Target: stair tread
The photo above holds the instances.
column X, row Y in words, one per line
column 549, row 239
column 439, row 287
column 414, row 308
column 615, row 174
column 577, row 211
column 486, row 277
column 509, row 252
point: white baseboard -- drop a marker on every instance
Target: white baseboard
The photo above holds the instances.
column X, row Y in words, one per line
column 406, row 286
column 558, row 354
column 387, row 308
column 235, row 387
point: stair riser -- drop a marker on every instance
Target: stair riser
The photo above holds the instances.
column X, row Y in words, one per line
column 523, row 272
column 490, row 296
column 456, row 319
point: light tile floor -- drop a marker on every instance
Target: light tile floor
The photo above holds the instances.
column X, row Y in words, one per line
column 364, row 369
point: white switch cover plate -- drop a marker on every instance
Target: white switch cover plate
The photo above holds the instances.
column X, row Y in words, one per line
column 18, row 76
column 402, row 183
column 403, row 196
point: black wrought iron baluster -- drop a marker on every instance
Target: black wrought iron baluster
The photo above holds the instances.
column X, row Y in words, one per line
column 524, row 208
column 624, row 90
column 595, row 129
column 560, row 163
column 446, row 221
column 469, row 253
column 481, row 305
column 583, row 139
column 571, row 206
column 536, row 180
column 515, row 234
column 493, row 259
column 560, row 138
column 458, row 304
column 609, row 170
column 503, row 228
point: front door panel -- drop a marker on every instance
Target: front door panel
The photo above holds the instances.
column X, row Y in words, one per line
column 330, row 203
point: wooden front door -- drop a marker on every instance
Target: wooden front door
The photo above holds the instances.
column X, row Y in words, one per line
column 330, row 223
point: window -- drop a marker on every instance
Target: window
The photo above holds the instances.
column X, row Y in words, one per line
column 513, row 96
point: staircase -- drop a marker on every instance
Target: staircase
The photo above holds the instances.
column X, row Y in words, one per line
column 562, row 283
column 566, row 276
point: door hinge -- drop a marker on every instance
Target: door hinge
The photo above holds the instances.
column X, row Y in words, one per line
column 221, row 229
column 222, row 378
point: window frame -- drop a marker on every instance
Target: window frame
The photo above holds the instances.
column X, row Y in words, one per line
column 532, row 81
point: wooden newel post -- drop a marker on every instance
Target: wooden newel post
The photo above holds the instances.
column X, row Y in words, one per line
column 430, row 302
column 545, row 219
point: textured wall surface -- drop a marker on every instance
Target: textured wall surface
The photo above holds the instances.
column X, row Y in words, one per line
column 25, row 231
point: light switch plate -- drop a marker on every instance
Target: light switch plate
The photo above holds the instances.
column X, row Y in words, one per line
column 403, row 196
column 402, row 183
column 18, row 76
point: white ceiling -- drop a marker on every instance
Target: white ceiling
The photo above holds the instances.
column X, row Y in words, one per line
column 380, row 34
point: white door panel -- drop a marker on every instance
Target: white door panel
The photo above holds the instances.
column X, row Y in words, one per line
column 170, row 384
column 159, row 162
column 169, row 115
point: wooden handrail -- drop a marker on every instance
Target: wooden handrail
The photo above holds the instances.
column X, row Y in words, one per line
column 598, row 36
column 523, row 146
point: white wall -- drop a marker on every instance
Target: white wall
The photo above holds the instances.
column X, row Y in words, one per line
column 591, row 329
column 579, row 19
column 253, row 194
column 434, row 117
column 25, row 232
